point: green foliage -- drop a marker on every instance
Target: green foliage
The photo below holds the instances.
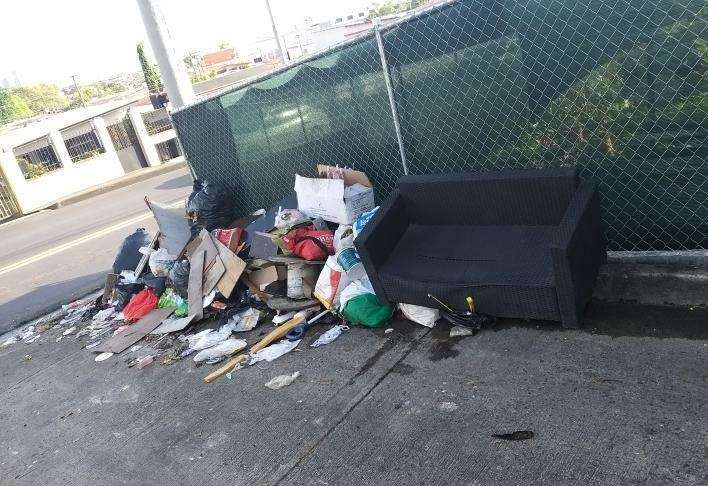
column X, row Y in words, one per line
column 43, row 98
column 392, row 7
column 97, row 90
column 12, row 107
column 31, row 170
column 152, row 77
column 203, row 76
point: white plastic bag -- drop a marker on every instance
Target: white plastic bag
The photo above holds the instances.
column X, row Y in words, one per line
column 224, row 348
column 287, row 218
column 425, row 316
column 160, row 262
column 274, row 351
column 208, row 339
column 327, row 287
column 330, row 335
column 343, row 237
column 244, row 320
column 357, row 287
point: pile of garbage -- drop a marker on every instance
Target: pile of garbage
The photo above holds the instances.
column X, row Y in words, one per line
column 194, row 289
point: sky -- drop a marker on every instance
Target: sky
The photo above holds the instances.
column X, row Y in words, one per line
column 49, row 40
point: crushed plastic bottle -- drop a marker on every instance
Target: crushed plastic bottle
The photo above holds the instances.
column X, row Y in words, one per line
column 281, row 380
column 330, row 335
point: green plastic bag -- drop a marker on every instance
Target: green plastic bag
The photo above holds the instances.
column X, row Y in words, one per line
column 365, row 309
column 172, row 300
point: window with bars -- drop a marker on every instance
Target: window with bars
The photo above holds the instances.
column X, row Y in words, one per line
column 122, row 134
column 168, row 150
column 37, row 161
column 82, row 144
column 157, row 121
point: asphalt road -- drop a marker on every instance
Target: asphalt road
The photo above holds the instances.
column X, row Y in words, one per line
column 54, row 256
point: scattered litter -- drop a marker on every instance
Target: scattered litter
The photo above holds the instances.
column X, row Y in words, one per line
column 92, row 345
column 281, row 381
column 225, row 348
column 135, row 348
column 208, row 338
column 28, row 357
column 330, row 335
column 515, row 436
column 244, row 321
column 71, row 330
column 9, row 341
column 388, row 331
column 143, row 362
column 103, row 356
column 32, row 339
column 274, row 351
column 105, row 314
column 459, row 331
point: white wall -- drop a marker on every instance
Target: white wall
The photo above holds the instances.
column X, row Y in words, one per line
column 43, row 191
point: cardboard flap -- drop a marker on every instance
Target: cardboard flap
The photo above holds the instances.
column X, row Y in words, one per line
column 321, row 188
column 349, row 176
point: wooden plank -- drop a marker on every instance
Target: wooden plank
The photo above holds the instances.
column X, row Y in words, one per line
column 213, row 266
column 134, row 333
column 194, row 289
column 234, row 268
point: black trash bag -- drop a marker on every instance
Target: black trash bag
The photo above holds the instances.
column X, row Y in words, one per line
column 129, row 255
column 179, row 276
column 157, row 284
column 209, row 206
column 125, row 292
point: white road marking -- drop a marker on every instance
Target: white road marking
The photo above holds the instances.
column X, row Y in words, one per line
column 79, row 241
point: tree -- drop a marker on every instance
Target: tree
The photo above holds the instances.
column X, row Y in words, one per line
column 152, row 77
column 392, row 7
column 12, row 107
column 43, row 98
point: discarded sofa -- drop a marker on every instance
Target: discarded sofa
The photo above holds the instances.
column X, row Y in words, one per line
column 523, row 244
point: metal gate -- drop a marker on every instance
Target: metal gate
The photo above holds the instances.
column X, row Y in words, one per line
column 8, row 205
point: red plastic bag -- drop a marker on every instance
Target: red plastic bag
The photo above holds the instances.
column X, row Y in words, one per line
column 141, row 303
column 309, row 243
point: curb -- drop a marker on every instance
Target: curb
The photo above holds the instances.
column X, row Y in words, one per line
column 140, row 175
column 652, row 284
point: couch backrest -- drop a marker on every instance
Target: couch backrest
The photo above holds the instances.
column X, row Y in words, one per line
column 514, row 197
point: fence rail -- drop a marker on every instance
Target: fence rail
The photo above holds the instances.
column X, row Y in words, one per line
column 618, row 88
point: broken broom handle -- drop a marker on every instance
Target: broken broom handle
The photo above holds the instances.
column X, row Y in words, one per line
column 228, row 367
column 272, row 336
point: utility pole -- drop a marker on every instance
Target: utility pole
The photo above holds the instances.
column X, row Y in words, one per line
column 275, row 33
column 174, row 75
column 78, row 91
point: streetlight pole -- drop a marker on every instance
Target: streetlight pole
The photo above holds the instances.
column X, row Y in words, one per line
column 78, row 91
column 275, row 33
column 174, row 75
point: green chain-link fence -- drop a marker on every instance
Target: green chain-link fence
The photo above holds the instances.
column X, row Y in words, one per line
column 617, row 87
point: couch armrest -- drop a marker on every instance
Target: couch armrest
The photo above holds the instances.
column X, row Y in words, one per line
column 380, row 236
column 578, row 253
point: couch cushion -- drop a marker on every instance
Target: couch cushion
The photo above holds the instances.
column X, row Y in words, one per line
column 492, row 255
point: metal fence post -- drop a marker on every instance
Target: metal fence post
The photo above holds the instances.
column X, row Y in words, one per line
column 389, row 90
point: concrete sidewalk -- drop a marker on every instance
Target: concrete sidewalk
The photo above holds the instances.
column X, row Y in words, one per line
column 127, row 180
column 622, row 402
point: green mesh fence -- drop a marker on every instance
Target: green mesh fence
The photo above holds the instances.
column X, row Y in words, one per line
column 618, row 88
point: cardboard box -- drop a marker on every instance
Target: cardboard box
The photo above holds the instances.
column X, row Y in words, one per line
column 337, row 200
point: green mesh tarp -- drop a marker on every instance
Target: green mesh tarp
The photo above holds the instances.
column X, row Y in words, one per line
column 618, row 88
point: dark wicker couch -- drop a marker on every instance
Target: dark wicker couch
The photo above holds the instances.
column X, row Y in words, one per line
column 524, row 244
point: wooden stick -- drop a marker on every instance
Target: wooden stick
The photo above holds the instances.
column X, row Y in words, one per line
column 272, row 336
